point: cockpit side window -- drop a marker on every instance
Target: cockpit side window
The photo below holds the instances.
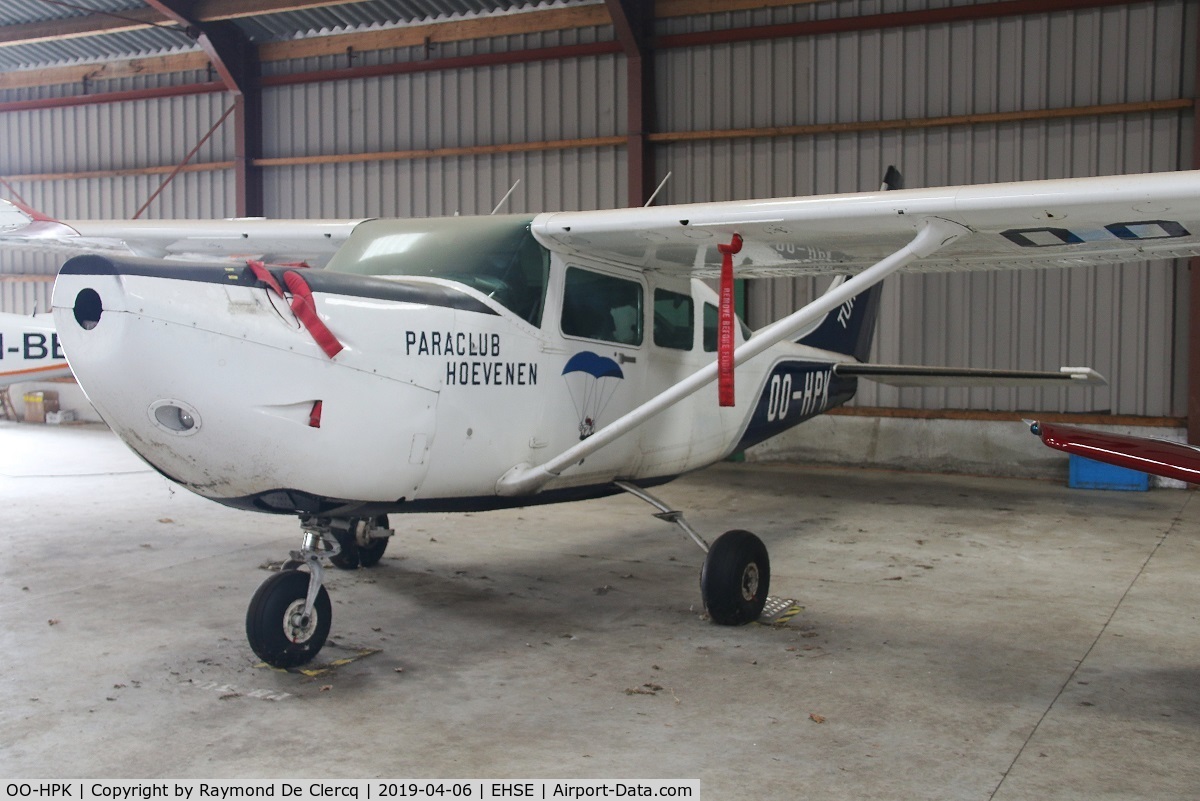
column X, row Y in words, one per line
column 514, row 277
column 525, row 277
column 604, row 307
column 497, row 256
column 674, row 320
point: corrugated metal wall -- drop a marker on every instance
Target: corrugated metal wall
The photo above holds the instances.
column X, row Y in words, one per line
column 534, row 102
column 120, row 138
column 1128, row 322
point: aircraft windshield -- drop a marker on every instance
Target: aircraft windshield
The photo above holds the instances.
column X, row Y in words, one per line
column 496, row 255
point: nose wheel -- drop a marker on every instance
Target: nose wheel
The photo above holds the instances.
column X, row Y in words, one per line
column 282, row 629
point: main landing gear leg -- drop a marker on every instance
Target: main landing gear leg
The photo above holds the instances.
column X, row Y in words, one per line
column 736, row 575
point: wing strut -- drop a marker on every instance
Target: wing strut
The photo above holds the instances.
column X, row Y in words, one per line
column 934, row 234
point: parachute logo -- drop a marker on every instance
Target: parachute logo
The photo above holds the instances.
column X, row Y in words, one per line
column 591, row 379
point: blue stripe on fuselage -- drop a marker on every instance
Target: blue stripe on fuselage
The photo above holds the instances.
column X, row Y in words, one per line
column 795, row 391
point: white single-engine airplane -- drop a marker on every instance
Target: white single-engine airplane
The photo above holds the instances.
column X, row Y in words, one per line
column 475, row 363
column 29, row 349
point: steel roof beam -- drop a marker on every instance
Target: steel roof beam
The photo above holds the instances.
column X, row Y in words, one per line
column 1193, row 323
column 235, row 59
column 633, row 21
column 99, row 23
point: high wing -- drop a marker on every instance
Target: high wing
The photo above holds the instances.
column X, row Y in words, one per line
column 278, row 241
column 1054, row 223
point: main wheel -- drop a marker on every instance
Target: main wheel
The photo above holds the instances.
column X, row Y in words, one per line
column 276, row 626
column 360, row 550
column 735, row 579
column 371, row 551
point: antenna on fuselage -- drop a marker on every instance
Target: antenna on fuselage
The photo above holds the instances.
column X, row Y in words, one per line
column 506, row 194
column 661, row 184
column 892, row 179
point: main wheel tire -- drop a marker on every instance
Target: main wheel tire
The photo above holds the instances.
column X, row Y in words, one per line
column 275, row 623
column 348, row 557
column 356, row 552
column 735, row 579
column 370, row 552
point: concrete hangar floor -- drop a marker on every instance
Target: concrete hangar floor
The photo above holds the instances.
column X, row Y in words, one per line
column 960, row 638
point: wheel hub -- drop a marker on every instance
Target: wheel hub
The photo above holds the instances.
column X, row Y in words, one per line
column 750, row 582
column 365, row 533
column 297, row 626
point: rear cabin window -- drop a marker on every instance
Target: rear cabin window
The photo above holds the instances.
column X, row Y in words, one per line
column 674, row 320
column 604, row 307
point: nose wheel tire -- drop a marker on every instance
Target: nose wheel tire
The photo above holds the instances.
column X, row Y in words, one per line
column 279, row 631
column 735, row 579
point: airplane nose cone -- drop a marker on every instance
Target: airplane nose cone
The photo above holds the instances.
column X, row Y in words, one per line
column 87, row 293
column 212, row 385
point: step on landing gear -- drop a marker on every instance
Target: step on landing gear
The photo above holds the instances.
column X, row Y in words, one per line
column 736, row 576
column 289, row 617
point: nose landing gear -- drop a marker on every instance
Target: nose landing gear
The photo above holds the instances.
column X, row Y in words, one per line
column 289, row 617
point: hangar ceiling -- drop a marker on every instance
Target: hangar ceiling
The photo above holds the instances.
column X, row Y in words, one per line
column 86, row 42
column 46, row 32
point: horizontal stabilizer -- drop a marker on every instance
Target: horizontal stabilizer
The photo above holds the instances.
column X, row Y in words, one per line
column 905, row 376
